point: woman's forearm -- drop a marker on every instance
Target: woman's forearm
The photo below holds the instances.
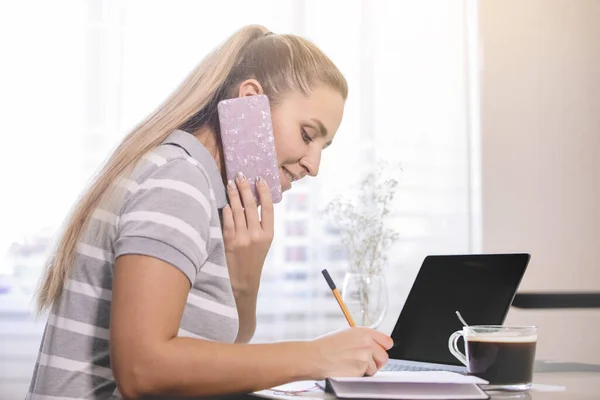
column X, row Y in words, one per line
column 246, row 307
column 192, row 367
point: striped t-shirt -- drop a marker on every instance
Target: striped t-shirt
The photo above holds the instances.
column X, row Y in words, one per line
column 170, row 210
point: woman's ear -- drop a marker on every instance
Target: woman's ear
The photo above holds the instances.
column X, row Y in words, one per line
column 250, row 87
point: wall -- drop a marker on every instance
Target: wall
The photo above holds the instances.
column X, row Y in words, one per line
column 541, row 156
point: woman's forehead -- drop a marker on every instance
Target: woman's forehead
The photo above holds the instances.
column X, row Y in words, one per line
column 322, row 105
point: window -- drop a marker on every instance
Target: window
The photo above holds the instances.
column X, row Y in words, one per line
column 296, row 254
column 297, row 202
column 295, row 276
column 295, row 228
column 295, row 317
column 331, row 229
column 335, row 253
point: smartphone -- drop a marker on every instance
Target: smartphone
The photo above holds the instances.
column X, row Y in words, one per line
column 248, row 141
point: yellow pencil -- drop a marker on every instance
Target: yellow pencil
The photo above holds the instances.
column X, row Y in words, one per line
column 337, row 296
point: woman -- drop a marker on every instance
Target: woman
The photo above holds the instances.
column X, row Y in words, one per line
column 152, row 288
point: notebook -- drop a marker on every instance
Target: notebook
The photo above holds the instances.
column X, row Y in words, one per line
column 415, row 385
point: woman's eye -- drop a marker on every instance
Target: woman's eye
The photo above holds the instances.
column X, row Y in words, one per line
column 305, row 136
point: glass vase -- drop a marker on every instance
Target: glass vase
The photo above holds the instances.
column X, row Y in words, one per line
column 366, row 298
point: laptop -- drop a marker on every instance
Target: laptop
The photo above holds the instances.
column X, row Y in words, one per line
column 480, row 286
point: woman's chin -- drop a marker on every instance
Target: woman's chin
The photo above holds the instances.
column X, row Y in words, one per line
column 285, row 186
column 284, row 181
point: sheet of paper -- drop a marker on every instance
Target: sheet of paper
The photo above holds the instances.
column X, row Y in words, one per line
column 295, row 386
column 290, row 391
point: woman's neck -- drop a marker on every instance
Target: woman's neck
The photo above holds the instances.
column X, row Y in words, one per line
column 208, row 138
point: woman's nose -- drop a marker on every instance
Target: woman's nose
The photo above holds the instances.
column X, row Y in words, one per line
column 311, row 163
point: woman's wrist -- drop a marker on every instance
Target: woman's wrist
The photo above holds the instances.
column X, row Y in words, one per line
column 310, row 360
column 244, row 292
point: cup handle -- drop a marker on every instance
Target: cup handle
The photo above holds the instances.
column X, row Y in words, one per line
column 453, row 347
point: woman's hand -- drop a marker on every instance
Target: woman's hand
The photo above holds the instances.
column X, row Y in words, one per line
column 247, row 237
column 353, row 352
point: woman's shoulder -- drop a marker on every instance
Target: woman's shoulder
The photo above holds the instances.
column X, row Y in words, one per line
column 178, row 159
column 170, row 166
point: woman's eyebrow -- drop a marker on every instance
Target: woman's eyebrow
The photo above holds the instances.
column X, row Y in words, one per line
column 321, row 129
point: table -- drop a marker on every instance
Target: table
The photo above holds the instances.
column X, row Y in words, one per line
column 580, row 382
column 552, row 381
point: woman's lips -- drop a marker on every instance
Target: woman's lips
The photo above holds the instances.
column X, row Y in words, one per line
column 289, row 178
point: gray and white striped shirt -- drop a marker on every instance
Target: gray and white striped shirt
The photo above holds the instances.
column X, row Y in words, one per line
column 170, row 211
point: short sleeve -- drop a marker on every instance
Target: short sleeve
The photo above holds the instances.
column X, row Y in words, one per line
column 167, row 216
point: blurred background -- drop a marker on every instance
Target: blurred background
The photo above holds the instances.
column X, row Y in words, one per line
column 491, row 107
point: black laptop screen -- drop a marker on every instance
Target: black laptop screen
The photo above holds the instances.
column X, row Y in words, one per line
column 481, row 287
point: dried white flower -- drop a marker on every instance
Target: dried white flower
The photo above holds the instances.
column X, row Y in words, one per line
column 361, row 219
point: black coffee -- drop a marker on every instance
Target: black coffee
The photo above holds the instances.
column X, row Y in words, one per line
column 501, row 361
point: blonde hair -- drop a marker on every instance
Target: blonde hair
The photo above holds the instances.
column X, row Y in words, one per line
column 280, row 63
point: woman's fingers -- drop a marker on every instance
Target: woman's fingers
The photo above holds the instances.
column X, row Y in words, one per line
column 372, row 369
column 244, row 211
column 248, row 202
column 266, row 205
column 228, row 224
column 380, row 356
column 239, row 218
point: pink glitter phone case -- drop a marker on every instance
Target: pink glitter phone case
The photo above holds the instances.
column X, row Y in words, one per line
column 248, row 142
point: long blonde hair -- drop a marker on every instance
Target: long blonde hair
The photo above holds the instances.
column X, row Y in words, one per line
column 281, row 63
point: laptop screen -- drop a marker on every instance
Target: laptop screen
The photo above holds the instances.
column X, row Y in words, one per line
column 481, row 287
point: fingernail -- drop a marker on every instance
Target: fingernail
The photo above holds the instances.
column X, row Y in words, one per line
column 226, row 206
column 231, row 184
column 260, row 180
column 240, row 176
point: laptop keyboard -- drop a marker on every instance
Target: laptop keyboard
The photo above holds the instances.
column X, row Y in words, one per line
column 401, row 367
